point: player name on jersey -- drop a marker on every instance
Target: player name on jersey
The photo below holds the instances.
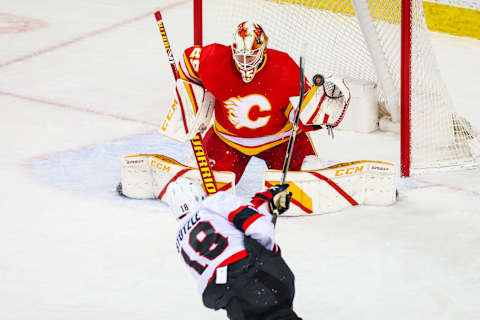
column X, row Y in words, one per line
column 185, row 229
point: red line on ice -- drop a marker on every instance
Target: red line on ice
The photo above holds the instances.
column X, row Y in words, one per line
column 86, row 36
column 80, row 109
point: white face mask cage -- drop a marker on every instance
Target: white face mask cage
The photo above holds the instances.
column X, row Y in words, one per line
column 248, row 59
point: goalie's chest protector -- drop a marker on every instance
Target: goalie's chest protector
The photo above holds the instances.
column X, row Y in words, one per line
column 249, row 110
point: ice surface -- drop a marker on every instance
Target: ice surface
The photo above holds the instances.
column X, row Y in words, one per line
column 91, row 84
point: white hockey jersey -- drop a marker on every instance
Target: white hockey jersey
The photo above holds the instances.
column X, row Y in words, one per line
column 212, row 236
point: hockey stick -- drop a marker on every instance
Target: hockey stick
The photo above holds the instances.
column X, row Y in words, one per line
column 318, row 80
column 291, row 140
column 206, row 172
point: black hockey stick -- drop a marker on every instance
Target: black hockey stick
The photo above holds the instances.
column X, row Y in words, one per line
column 291, row 141
column 318, row 80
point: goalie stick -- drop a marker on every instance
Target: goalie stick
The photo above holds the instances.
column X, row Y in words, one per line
column 206, row 172
column 318, row 80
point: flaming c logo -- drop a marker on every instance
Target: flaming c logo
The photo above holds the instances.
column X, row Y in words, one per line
column 239, row 109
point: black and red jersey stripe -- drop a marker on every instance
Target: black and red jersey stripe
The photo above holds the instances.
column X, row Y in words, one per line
column 243, row 217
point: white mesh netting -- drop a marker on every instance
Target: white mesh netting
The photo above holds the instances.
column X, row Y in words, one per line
column 337, row 45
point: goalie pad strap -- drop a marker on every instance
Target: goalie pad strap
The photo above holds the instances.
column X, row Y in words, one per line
column 335, row 186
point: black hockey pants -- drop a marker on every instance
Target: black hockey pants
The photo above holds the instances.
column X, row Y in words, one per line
column 259, row 287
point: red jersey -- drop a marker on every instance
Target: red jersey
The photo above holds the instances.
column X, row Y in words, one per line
column 250, row 117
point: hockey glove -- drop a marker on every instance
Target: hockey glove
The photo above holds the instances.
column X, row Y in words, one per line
column 278, row 197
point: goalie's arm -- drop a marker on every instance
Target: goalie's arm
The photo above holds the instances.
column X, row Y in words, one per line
column 189, row 65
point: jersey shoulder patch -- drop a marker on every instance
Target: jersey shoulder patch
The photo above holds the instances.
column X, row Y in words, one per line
column 197, row 56
column 189, row 65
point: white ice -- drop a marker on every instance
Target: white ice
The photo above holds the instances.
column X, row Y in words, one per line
column 92, row 84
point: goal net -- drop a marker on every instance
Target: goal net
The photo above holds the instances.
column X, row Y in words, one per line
column 362, row 39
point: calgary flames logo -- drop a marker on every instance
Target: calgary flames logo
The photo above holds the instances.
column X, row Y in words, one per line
column 239, row 111
column 242, row 31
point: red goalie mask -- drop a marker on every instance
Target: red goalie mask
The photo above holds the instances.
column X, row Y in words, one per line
column 249, row 44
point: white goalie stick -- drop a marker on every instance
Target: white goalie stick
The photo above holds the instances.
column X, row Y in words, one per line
column 318, row 80
column 206, row 172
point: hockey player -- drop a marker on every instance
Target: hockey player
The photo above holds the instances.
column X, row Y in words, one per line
column 228, row 244
column 253, row 91
column 251, row 85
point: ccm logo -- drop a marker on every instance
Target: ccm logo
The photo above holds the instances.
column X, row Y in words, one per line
column 344, row 172
column 169, row 115
column 160, row 165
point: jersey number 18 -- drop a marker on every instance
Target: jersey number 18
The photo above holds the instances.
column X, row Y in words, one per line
column 210, row 246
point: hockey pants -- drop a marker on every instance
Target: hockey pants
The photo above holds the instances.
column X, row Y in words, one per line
column 259, row 287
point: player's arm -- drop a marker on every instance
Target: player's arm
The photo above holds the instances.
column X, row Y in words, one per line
column 254, row 218
column 254, row 223
column 189, row 65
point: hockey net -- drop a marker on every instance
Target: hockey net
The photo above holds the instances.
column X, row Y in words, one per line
column 361, row 39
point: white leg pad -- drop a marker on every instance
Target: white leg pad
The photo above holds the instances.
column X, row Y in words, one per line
column 338, row 187
column 146, row 176
column 136, row 177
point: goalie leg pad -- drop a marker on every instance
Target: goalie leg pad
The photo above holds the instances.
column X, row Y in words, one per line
column 338, row 187
column 136, row 177
column 147, row 176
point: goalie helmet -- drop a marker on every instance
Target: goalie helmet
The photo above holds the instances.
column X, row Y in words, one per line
column 248, row 48
column 183, row 196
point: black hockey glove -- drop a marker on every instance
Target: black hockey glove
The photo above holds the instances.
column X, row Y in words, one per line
column 278, row 197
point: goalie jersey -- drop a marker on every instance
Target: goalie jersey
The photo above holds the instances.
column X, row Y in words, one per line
column 212, row 236
column 250, row 117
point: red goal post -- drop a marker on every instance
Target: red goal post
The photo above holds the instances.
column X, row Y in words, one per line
column 382, row 41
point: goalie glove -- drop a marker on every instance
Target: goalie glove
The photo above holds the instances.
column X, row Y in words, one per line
column 278, row 198
column 324, row 105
